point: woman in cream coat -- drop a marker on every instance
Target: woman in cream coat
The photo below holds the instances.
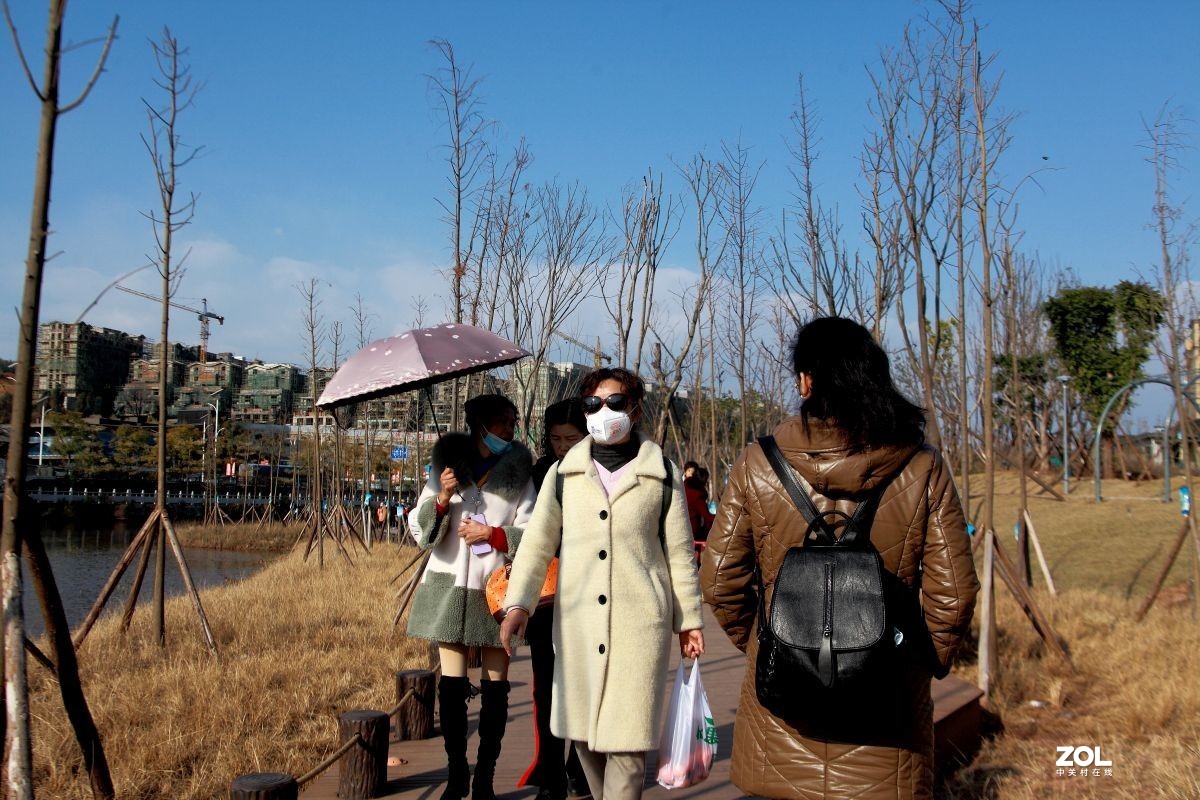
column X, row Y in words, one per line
column 626, row 582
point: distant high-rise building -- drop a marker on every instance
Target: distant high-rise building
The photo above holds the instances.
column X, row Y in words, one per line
column 83, row 367
column 268, row 393
column 545, row 386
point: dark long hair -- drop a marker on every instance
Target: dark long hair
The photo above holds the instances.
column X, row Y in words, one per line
column 852, row 384
column 564, row 412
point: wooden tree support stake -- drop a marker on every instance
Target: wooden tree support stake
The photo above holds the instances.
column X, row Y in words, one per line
column 264, row 786
column 114, row 579
column 363, row 768
column 987, row 615
column 1176, row 546
column 1042, row 625
column 1041, row 557
column 191, row 587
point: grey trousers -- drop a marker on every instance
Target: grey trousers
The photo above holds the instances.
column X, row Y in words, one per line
column 613, row 776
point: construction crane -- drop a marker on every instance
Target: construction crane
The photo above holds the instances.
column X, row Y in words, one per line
column 202, row 313
column 595, row 350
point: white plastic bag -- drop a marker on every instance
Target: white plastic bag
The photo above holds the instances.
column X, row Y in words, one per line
column 689, row 738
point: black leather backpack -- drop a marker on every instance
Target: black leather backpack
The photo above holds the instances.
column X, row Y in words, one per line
column 832, row 641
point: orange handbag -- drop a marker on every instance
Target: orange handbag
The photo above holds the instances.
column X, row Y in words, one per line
column 497, row 587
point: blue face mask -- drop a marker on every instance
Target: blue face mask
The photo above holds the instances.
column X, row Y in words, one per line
column 494, row 443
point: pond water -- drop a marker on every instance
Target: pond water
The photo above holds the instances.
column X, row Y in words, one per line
column 83, row 558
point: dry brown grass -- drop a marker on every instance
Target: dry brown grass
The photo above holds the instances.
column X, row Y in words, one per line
column 297, row 645
column 1135, row 691
column 238, row 536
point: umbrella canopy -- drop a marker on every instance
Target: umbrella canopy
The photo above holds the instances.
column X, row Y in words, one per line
column 416, row 359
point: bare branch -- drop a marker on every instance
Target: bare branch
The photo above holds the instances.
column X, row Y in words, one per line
column 87, row 89
column 21, row 54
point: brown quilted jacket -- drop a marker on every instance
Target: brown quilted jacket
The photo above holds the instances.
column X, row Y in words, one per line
column 919, row 528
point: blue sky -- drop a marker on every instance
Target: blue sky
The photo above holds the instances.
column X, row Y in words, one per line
column 322, row 155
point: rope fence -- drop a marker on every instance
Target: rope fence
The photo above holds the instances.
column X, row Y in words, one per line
column 363, row 751
column 333, row 758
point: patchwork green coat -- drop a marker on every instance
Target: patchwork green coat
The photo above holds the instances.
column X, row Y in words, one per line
column 449, row 605
column 624, row 590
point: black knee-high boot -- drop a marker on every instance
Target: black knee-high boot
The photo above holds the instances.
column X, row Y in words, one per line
column 452, row 707
column 493, row 716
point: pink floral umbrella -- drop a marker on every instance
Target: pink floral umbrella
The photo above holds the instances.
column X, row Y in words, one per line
column 416, row 359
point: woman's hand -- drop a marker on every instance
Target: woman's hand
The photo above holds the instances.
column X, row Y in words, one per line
column 512, row 625
column 691, row 643
column 473, row 532
column 449, row 486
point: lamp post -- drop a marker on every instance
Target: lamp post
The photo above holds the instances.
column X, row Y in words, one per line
column 1167, row 457
column 1066, row 440
column 216, row 432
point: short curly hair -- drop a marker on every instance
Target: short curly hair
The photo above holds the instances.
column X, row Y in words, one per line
column 634, row 386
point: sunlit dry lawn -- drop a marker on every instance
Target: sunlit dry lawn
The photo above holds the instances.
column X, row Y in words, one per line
column 1134, row 690
column 297, row 646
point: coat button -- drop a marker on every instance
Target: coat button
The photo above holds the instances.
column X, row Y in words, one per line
column 603, row 599
column 603, row 515
column 603, row 554
column 601, row 649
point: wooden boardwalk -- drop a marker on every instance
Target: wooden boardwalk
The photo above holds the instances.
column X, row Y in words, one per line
column 422, row 772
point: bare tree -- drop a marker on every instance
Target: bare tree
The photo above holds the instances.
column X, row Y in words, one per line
column 908, row 106
column 364, row 334
column 704, row 181
column 15, row 533
column 881, row 223
column 827, row 280
column 1165, row 138
column 742, row 275
column 168, row 153
column 543, row 293
column 455, row 96
column 649, row 222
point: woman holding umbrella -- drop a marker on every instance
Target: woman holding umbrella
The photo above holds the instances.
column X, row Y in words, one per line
column 470, row 515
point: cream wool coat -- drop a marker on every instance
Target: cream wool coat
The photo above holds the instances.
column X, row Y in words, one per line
column 620, row 600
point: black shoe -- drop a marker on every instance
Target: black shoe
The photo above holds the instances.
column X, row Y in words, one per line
column 578, row 788
column 550, row 794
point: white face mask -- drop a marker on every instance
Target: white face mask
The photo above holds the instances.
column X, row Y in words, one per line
column 607, row 426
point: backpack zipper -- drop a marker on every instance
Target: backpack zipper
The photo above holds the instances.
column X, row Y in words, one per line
column 825, row 656
column 828, row 629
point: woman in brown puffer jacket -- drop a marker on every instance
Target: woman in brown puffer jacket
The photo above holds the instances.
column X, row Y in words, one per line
column 855, row 432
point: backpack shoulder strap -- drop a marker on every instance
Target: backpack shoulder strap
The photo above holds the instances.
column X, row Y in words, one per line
column 800, row 498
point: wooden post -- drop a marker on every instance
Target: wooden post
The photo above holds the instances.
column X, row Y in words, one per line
column 264, row 786
column 414, row 720
column 1041, row 557
column 363, row 768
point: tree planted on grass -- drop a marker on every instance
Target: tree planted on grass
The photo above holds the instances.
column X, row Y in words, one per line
column 16, row 533
column 168, row 154
column 1103, row 336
